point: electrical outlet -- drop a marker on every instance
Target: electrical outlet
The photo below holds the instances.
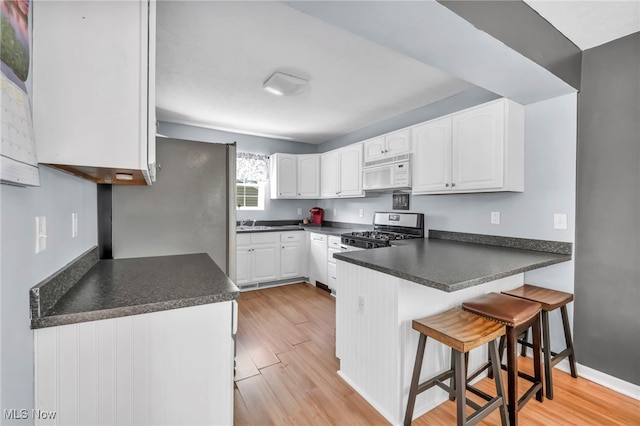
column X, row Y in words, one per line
column 361, row 300
column 495, row 218
column 334, row 212
column 41, row 233
column 559, row 221
column 299, row 211
column 74, row 225
column 360, row 212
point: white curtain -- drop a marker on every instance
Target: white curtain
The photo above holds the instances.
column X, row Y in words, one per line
column 252, row 167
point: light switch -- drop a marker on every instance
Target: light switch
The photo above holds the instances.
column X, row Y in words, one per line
column 299, row 211
column 41, row 233
column 495, row 218
column 559, row 221
column 74, row 225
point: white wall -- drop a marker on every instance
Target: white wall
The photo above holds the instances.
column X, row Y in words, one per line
column 59, row 195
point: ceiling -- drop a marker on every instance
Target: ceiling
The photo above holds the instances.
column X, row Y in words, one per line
column 590, row 23
column 213, row 57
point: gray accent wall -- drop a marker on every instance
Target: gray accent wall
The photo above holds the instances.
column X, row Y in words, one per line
column 59, row 195
column 607, row 290
column 184, row 211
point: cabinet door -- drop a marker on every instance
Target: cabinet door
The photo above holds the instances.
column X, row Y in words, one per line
column 308, row 176
column 374, row 149
column 478, row 148
column 283, row 176
column 243, row 265
column 351, row 171
column 432, row 158
column 104, row 111
column 318, row 258
column 329, row 174
column 266, row 263
column 290, row 262
column 332, row 277
column 397, row 143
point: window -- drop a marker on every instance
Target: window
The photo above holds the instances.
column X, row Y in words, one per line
column 250, row 195
column 252, row 173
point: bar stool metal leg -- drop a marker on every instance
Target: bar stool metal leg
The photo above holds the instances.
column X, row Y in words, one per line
column 569, row 341
column 413, row 390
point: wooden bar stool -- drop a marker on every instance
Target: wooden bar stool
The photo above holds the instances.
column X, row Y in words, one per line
column 550, row 300
column 518, row 315
column 461, row 331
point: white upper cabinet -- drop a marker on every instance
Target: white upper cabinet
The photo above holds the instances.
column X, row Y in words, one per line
column 432, row 156
column 388, row 145
column 341, row 172
column 330, row 174
column 351, row 171
column 477, row 150
column 94, row 88
column 309, row 176
column 295, row 176
column 283, row 175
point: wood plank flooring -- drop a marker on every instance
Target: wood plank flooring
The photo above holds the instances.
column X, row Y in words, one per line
column 286, row 373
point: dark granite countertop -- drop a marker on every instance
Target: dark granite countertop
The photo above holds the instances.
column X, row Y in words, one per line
column 123, row 287
column 451, row 262
column 327, row 228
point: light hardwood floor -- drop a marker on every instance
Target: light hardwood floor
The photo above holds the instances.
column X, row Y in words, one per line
column 286, row 373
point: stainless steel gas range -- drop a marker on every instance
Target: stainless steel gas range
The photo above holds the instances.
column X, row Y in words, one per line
column 387, row 227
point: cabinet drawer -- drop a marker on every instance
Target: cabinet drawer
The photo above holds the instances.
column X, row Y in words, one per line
column 334, row 242
column 265, row 237
column 291, row 236
column 243, row 240
column 318, row 237
column 330, row 253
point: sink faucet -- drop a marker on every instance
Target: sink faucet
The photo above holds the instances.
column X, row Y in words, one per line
column 254, row 222
column 243, row 221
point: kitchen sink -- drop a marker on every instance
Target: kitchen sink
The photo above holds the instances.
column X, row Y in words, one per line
column 253, row 228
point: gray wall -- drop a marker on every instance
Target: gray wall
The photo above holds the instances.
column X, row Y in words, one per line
column 184, row 211
column 607, row 314
column 59, row 195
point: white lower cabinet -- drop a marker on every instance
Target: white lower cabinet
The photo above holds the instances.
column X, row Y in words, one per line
column 333, row 246
column 263, row 257
column 317, row 258
column 292, row 255
column 166, row 367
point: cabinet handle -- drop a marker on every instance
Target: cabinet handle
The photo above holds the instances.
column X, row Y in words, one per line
column 446, row 185
column 453, row 184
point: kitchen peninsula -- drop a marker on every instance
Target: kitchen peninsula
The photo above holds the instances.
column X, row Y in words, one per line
column 135, row 341
column 381, row 291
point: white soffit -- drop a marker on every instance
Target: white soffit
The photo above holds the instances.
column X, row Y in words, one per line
column 590, row 23
column 213, row 57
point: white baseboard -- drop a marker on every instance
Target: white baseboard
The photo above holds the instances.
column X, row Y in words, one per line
column 603, row 379
column 366, row 397
column 595, row 376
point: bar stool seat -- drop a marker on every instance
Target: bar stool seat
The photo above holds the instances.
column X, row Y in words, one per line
column 461, row 331
column 550, row 300
column 517, row 315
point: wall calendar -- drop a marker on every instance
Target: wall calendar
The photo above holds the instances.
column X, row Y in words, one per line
column 18, row 157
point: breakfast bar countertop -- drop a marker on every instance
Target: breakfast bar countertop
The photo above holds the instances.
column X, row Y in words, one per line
column 111, row 288
column 450, row 261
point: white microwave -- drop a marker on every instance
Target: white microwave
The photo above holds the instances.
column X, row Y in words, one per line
column 396, row 175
